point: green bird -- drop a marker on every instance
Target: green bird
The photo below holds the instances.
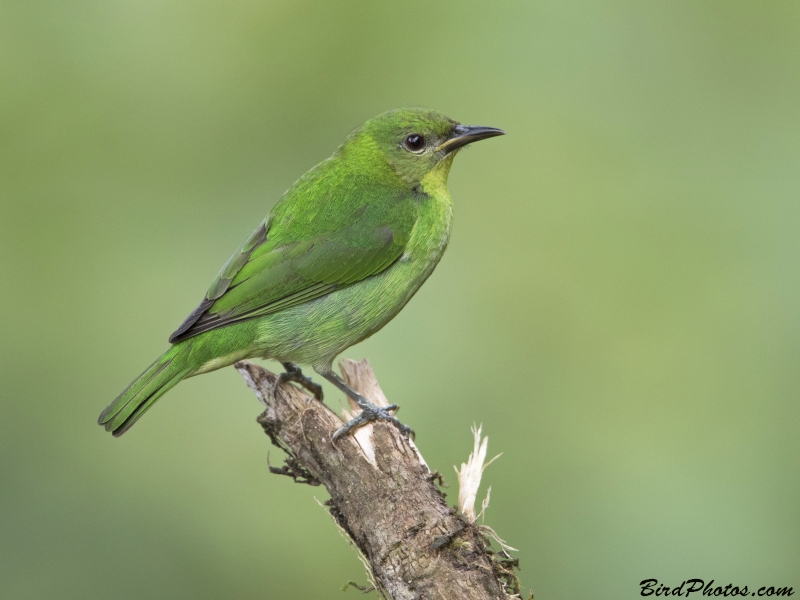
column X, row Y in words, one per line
column 339, row 255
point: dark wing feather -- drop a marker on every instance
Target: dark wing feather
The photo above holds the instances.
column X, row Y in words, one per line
column 271, row 273
column 221, row 283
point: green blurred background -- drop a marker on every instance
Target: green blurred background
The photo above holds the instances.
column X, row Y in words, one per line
column 618, row 306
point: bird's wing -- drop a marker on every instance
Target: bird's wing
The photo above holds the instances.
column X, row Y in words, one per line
column 279, row 267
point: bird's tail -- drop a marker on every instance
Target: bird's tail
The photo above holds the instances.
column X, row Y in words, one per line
column 158, row 378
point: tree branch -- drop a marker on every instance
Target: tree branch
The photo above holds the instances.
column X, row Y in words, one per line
column 382, row 495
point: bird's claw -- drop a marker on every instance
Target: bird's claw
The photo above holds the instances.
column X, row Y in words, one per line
column 370, row 412
column 295, row 374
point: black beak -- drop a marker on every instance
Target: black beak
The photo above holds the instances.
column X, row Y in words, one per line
column 466, row 134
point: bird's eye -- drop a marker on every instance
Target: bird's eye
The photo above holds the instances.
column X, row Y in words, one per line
column 415, row 142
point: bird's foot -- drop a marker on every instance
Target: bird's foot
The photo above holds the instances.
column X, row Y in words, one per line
column 295, row 374
column 370, row 412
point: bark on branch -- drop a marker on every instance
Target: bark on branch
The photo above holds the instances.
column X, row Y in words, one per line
column 382, row 495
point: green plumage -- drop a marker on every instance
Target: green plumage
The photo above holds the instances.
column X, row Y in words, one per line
column 338, row 256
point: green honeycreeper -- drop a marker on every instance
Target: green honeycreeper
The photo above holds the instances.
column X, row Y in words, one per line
column 339, row 255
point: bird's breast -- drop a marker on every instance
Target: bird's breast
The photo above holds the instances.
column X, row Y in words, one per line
column 431, row 232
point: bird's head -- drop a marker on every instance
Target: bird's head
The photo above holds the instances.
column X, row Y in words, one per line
column 415, row 142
